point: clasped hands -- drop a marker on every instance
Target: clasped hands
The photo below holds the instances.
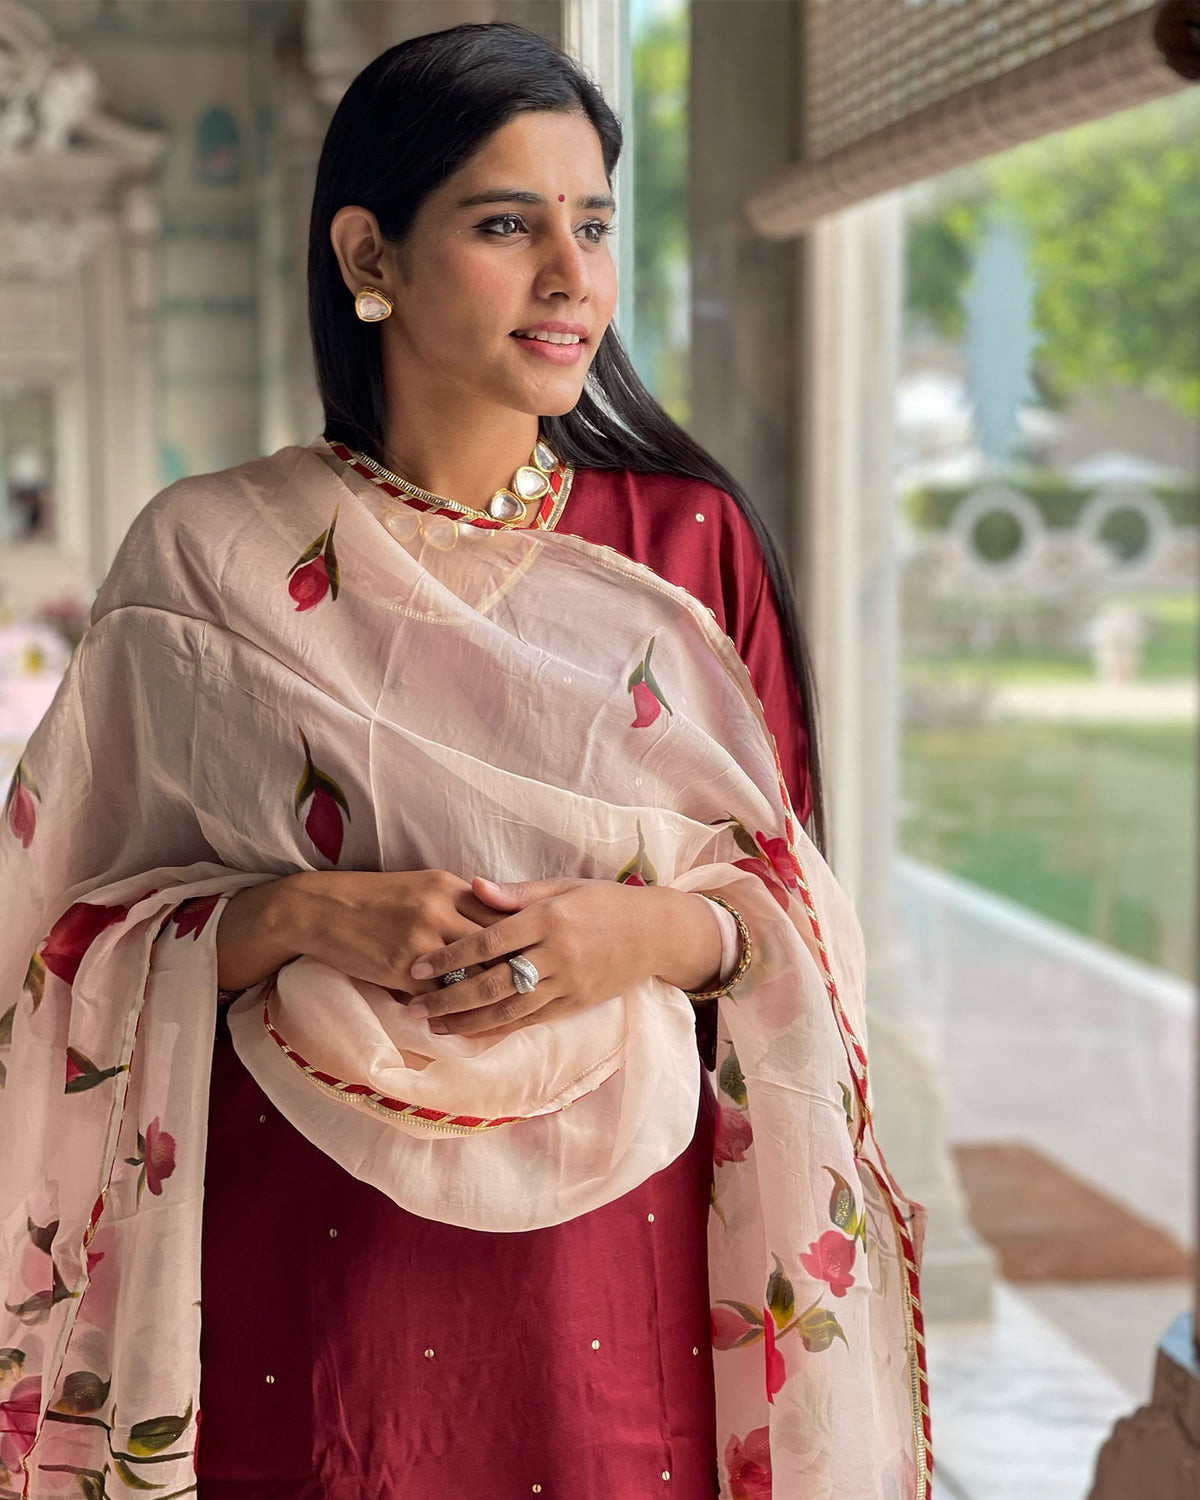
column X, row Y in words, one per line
column 589, row 940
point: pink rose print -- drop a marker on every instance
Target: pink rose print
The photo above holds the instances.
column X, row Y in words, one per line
column 192, row 916
column 776, row 1370
column 768, row 858
column 160, row 1156
column 748, row 1464
column 734, row 1324
column 646, row 706
column 156, row 1158
column 37, row 1267
column 327, row 802
column 315, row 572
column 648, row 700
column 829, row 1259
column 74, row 932
column 18, row 805
column 732, row 1137
column 783, row 861
column 309, row 584
column 18, row 1421
column 84, row 1074
column 638, row 870
column 324, row 824
column 757, row 867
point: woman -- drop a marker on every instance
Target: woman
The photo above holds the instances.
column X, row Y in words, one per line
column 492, row 626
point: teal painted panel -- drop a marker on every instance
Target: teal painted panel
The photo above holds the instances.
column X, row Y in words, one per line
column 218, row 147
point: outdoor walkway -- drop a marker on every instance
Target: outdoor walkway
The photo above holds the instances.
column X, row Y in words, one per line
column 1172, row 701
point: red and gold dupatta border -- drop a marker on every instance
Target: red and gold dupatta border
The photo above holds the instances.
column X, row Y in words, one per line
column 913, row 1317
column 914, row 1321
column 546, row 519
column 435, row 1119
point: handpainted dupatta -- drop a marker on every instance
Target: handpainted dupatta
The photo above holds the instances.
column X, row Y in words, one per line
column 287, row 670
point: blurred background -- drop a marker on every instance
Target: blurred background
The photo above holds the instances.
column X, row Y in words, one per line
column 925, row 274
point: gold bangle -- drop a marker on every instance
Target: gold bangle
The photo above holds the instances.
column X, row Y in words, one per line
column 743, row 961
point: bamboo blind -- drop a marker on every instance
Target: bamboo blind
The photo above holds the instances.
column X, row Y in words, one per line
column 898, row 90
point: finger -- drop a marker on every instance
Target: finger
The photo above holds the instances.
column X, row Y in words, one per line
column 426, row 987
column 492, row 985
column 487, row 1018
column 469, row 905
column 482, row 947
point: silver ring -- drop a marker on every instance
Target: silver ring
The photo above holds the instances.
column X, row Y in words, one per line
column 524, row 974
column 453, row 976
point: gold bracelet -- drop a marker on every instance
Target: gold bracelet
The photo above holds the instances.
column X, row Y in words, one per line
column 743, row 961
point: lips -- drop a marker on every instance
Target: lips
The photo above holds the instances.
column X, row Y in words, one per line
column 559, row 354
column 556, row 325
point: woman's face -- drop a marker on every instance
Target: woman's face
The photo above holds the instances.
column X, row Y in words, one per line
column 532, row 247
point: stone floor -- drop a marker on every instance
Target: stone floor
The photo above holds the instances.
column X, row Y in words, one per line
column 1019, row 1407
column 1116, row 1323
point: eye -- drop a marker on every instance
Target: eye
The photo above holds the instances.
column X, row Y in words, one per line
column 487, row 227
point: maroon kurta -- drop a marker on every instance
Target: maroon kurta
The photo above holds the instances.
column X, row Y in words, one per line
column 353, row 1351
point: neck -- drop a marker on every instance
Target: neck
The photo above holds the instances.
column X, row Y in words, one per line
column 463, row 450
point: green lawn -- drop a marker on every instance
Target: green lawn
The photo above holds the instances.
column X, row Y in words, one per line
column 1172, row 649
column 1092, row 826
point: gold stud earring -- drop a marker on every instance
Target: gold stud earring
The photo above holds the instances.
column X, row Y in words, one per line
column 372, row 304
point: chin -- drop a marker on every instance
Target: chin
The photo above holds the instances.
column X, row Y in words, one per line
column 548, row 408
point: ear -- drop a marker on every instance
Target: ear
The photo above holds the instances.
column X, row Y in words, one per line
column 358, row 245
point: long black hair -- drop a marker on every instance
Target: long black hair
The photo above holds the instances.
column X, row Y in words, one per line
column 407, row 122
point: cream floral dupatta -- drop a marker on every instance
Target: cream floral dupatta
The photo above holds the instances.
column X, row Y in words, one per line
column 285, row 669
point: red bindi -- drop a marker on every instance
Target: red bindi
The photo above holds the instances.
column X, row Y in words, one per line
column 562, row 197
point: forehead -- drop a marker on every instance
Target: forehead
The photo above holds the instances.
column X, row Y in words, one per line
column 543, row 150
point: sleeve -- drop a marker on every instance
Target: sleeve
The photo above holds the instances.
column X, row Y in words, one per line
column 755, row 626
column 731, row 942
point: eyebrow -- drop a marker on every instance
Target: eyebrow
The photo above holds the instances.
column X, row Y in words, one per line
column 519, row 195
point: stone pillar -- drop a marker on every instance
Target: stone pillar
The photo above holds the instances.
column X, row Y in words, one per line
column 744, row 67
column 846, row 571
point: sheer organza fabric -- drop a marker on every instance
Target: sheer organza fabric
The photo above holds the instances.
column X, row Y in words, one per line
column 440, row 694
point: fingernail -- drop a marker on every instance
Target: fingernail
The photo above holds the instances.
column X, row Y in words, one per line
column 421, row 970
column 440, row 1027
column 419, row 1009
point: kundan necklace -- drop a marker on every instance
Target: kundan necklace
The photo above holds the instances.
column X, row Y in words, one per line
column 543, row 478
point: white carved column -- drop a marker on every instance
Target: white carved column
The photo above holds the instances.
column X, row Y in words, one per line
column 846, row 569
column 78, row 237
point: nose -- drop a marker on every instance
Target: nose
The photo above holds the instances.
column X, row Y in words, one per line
column 564, row 266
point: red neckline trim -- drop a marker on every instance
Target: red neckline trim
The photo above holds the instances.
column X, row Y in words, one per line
column 545, row 510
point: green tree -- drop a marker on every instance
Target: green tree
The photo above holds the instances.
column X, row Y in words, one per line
column 1110, row 212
